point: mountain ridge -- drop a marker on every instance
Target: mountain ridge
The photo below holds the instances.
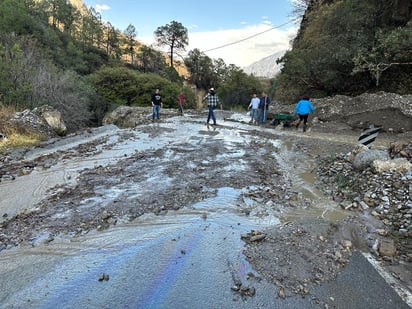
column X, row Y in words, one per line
column 265, row 67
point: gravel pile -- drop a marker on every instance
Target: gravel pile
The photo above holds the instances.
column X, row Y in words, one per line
column 383, row 195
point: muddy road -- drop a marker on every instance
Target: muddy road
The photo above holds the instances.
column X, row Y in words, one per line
column 177, row 214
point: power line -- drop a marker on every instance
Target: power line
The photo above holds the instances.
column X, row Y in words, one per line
column 252, row 36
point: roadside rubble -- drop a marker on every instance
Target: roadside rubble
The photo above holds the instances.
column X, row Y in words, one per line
column 382, row 188
column 379, row 196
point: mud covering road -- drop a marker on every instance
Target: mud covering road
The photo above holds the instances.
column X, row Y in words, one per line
column 177, row 214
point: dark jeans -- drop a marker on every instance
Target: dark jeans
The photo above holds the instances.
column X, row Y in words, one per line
column 156, row 112
column 304, row 118
column 211, row 115
column 263, row 116
column 305, row 121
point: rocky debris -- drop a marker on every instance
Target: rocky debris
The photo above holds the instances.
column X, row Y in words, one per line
column 400, row 150
column 382, row 190
column 387, row 248
column 9, row 169
column 244, row 290
column 324, row 248
column 14, row 165
column 253, row 236
column 359, row 112
column 44, row 120
column 131, row 116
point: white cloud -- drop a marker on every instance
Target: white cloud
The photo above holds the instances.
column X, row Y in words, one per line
column 102, row 7
column 242, row 46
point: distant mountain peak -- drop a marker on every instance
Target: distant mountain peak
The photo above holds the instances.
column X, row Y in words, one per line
column 266, row 67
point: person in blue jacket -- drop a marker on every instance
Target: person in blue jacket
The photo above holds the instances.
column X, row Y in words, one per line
column 302, row 109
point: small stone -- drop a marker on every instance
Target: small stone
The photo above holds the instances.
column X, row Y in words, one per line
column 281, row 292
column 347, row 244
column 387, row 248
column 104, row 277
column 381, row 232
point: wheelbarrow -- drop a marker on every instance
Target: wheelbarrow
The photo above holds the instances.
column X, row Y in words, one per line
column 284, row 119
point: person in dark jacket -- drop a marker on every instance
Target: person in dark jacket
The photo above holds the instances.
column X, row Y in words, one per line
column 263, row 108
column 302, row 109
column 156, row 103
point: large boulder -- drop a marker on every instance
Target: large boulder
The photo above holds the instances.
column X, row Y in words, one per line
column 130, row 116
column 365, row 159
column 127, row 116
column 44, row 120
column 53, row 118
column 398, row 165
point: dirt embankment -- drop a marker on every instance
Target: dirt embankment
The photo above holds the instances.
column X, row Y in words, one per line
column 390, row 111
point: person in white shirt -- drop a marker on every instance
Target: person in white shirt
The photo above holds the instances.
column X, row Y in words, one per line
column 254, row 104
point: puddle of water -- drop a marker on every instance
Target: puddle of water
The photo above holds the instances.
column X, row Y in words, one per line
column 329, row 214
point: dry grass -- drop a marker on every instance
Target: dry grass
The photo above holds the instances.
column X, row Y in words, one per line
column 16, row 135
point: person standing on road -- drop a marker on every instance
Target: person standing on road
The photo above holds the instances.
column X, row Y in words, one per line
column 254, row 105
column 156, row 103
column 180, row 101
column 302, row 109
column 263, row 108
column 212, row 102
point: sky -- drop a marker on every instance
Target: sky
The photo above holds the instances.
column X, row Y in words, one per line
column 240, row 32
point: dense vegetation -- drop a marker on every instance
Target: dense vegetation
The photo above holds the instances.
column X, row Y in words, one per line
column 54, row 53
column 349, row 47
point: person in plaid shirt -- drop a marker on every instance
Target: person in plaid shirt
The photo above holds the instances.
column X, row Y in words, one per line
column 212, row 102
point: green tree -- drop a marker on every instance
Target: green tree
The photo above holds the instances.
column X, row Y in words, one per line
column 122, row 86
column 32, row 80
column 61, row 13
column 174, row 35
column 339, row 43
column 19, row 59
column 112, row 40
column 237, row 89
column 200, row 67
column 392, row 48
column 146, row 84
column 14, row 17
column 91, row 30
column 150, row 60
column 115, row 85
column 131, row 34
